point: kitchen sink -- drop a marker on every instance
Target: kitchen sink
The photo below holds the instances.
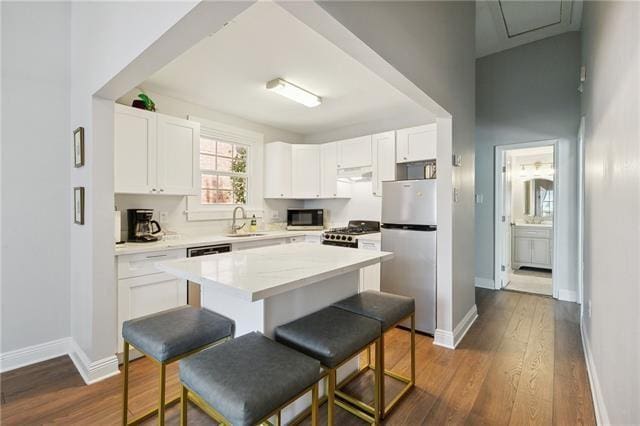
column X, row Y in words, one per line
column 244, row 235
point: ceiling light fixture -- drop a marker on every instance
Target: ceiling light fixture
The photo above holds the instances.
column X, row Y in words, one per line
column 293, row 92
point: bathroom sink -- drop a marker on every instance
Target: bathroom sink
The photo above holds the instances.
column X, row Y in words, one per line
column 244, row 235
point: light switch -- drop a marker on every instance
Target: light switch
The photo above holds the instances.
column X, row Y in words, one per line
column 164, row 217
column 479, row 198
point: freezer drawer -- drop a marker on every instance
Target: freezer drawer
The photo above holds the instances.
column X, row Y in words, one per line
column 412, row 271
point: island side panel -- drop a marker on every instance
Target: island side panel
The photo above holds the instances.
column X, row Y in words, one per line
column 248, row 316
column 289, row 306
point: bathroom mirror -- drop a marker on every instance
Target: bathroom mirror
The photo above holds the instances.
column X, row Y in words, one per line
column 538, row 197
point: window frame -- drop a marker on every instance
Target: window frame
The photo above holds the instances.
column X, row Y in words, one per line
column 196, row 211
column 219, row 173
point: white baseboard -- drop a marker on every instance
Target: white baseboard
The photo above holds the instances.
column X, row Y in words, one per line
column 450, row 339
column 567, row 295
column 485, row 283
column 602, row 417
column 33, row 354
column 93, row 371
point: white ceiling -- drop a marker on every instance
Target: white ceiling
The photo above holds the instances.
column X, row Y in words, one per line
column 228, row 72
column 503, row 24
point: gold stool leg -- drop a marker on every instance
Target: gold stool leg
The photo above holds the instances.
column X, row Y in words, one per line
column 314, row 405
column 125, row 391
column 183, row 405
column 331, row 397
column 380, row 370
column 163, row 372
column 413, row 349
column 378, row 375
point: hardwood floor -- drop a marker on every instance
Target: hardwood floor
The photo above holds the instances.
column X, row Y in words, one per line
column 520, row 363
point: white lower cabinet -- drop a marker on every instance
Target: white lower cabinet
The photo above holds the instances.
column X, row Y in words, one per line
column 532, row 246
column 370, row 275
column 143, row 290
column 260, row 243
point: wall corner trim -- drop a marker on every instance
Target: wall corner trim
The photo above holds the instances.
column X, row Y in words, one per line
column 92, row 371
column 487, row 283
column 567, row 295
column 34, row 354
column 602, row 417
column 450, row 339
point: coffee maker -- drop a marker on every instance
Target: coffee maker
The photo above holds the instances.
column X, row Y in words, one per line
column 141, row 227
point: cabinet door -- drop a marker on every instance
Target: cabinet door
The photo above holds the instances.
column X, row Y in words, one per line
column 384, row 160
column 416, row 143
column 540, row 253
column 523, row 250
column 135, row 148
column 354, row 152
column 260, row 243
column 329, row 170
column 277, row 170
column 147, row 295
column 178, row 156
column 305, row 171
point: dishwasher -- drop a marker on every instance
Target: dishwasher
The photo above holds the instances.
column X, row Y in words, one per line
column 193, row 289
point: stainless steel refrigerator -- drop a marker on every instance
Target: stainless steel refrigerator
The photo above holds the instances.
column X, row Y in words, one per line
column 409, row 231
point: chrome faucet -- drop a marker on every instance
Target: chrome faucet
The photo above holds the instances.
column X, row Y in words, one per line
column 234, row 227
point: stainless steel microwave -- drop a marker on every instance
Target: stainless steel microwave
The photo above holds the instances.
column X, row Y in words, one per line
column 305, row 219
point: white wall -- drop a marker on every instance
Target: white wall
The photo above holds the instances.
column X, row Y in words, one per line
column 433, row 44
column 36, row 158
column 611, row 327
column 362, row 205
column 528, row 93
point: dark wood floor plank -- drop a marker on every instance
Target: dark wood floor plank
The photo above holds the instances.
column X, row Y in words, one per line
column 500, row 372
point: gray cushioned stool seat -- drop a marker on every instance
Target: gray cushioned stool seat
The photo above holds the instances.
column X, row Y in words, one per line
column 249, row 377
column 167, row 334
column 384, row 307
column 330, row 335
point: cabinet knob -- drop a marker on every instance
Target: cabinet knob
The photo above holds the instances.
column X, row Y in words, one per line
column 317, row 195
column 404, row 158
column 161, row 190
column 153, row 190
column 282, row 195
column 334, row 195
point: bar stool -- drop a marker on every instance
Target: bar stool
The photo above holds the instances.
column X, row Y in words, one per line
column 334, row 336
column 248, row 380
column 168, row 336
column 389, row 310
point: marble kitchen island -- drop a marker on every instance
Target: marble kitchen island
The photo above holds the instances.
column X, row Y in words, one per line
column 265, row 287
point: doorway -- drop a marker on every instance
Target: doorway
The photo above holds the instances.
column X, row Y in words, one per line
column 525, row 217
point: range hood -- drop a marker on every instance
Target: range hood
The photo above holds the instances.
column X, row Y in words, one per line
column 355, row 174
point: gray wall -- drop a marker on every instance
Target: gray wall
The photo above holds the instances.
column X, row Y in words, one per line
column 611, row 328
column 36, row 159
column 433, row 44
column 528, row 93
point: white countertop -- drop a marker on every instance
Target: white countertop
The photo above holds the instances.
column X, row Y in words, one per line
column 535, row 225
column 193, row 241
column 264, row 272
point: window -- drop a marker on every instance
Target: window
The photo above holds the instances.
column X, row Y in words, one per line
column 223, row 166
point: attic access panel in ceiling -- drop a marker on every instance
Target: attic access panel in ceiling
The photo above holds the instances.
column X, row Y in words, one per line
column 521, row 17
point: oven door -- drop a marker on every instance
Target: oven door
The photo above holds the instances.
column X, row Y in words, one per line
column 305, row 219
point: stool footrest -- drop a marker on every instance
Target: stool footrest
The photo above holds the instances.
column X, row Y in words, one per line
column 153, row 412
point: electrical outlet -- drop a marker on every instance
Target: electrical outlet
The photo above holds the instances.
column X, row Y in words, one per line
column 479, row 198
column 275, row 214
column 456, row 195
column 164, row 217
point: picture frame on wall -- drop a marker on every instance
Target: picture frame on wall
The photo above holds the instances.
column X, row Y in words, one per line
column 78, row 205
column 78, row 147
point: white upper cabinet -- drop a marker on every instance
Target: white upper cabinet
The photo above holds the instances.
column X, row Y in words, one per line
column 384, row 160
column 277, row 170
column 178, row 156
column 305, row 171
column 155, row 153
column 354, row 152
column 329, row 185
column 416, row 143
column 135, row 150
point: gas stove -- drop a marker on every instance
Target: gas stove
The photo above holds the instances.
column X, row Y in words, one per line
column 348, row 235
